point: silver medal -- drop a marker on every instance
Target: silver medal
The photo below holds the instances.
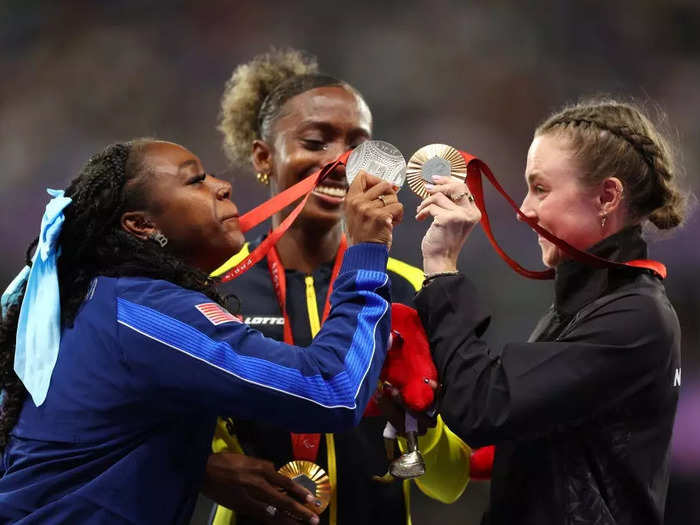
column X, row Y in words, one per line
column 377, row 158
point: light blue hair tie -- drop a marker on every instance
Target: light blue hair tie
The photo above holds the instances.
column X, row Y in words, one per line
column 39, row 325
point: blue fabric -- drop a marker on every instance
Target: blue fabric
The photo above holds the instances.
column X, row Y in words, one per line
column 340, row 391
column 39, row 326
column 126, row 427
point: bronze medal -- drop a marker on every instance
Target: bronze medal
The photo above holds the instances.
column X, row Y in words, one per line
column 313, row 478
column 434, row 159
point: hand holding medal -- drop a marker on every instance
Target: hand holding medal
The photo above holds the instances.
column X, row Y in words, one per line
column 437, row 174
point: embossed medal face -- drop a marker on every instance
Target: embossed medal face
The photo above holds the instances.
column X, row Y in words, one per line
column 377, row 158
column 434, row 159
column 313, row 478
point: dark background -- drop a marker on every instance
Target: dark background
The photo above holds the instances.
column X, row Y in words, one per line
column 477, row 75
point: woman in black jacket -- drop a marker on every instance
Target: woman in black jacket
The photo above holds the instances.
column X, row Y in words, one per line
column 582, row 413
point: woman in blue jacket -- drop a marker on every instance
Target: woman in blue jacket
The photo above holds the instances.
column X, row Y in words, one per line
column 117, row 333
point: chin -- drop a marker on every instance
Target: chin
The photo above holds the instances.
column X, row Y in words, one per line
column 237, row 243
column 551, row 257
column 327, row 218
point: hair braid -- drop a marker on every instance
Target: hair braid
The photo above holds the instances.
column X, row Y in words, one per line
column 616, row 139
column 93, row 243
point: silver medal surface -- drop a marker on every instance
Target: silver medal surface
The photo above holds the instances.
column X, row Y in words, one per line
column 377, row 158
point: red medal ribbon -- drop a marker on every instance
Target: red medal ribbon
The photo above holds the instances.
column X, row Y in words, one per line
column 304, row 446
column 272, row 206
column 476, row 168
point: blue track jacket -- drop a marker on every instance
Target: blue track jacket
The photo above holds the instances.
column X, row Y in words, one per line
column 126, row 428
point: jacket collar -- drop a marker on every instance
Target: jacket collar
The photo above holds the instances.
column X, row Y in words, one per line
column 577, row 284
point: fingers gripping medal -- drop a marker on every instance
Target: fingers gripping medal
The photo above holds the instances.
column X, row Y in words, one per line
column 378, row 158
column 431, row 160
column 313, row 478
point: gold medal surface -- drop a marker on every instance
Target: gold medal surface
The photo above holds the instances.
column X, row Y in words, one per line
column 434, row 159
column 312, row 477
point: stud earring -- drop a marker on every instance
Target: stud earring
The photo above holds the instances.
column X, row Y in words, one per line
column 158, row 237
column 263, row 178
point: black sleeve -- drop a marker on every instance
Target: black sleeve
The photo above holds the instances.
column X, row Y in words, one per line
column 402, row 291
column 531, row 388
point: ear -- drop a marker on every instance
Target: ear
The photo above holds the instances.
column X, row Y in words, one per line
column 611, row 191
column 138, row 224
column 262, row 156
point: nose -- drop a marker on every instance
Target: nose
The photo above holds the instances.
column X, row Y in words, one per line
column 222, row 189
column 335, row 150
column 527, row 209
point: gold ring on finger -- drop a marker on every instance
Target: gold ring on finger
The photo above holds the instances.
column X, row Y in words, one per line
column 381, row 198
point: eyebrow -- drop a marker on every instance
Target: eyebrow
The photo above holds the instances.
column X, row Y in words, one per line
column 186, row 164
column 532, row 176
column 328, row 127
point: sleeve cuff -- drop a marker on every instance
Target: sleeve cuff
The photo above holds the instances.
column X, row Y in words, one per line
column 366, row 256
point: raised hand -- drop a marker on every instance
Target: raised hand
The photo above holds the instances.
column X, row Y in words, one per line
column 454, row 216
column 371, row 210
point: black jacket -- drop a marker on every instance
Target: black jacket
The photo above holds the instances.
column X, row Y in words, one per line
column 581, row 414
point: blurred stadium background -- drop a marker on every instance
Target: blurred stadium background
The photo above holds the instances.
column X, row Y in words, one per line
column 77, row 75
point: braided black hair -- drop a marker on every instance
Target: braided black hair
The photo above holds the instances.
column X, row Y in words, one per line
column 93, row 243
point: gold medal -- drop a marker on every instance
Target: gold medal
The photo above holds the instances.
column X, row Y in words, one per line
column 313, row 478
column 434, row 159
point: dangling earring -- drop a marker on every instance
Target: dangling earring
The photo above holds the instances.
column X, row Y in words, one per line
column 263, row 178
column 159, row 238
column 603, row 219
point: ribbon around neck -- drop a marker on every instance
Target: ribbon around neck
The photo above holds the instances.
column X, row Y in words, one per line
column 476, row 168
column 268, row 208
column 39, row 325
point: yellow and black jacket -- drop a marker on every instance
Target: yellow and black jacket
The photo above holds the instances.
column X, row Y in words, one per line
column 350, row 458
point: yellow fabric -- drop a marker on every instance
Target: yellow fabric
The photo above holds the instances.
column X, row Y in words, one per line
column 312, row 306
column 233, row 261
column 223, row 441
column 446, row 463
column 407, row 499
column 333, row 478
column 412, row 274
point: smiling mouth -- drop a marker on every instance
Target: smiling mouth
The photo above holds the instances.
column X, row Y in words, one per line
column 330, row 191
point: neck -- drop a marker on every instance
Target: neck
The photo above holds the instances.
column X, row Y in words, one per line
column 305, row 249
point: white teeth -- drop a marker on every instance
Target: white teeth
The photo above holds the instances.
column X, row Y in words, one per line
column 332, row 191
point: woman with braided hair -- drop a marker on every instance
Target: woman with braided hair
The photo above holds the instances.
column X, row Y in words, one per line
column 280, row 113
column 582, row 413
column 117, row 333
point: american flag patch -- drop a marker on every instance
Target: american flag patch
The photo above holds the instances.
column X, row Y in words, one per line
column 216, row 314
